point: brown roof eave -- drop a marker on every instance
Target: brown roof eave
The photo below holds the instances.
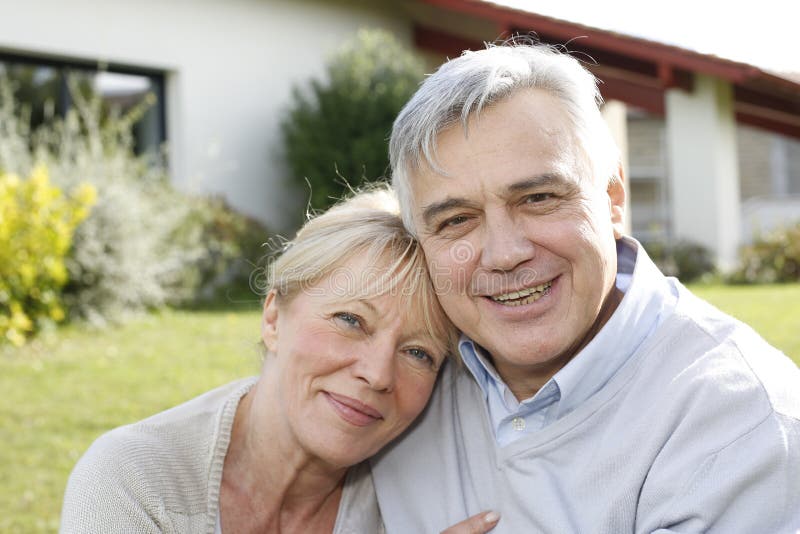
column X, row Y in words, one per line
column 514, row 20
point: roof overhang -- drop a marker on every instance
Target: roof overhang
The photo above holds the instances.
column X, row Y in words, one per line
column 633, row 70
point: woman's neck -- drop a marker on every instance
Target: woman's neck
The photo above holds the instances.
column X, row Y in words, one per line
column 269, row 482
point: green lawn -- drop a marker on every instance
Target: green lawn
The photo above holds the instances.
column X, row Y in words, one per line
column 772, row 310
column 62, row 391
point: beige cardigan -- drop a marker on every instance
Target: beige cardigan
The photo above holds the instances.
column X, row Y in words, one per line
column 163, row 474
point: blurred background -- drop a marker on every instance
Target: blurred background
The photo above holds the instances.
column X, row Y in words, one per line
column 149, row 150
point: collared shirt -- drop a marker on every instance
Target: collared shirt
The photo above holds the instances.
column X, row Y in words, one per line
column 641, row 310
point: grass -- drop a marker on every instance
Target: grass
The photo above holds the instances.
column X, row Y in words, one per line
column 772, row 310
column 69, row 386
column 64, row 390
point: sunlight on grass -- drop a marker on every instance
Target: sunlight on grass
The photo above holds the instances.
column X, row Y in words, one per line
column 64, row 390
column 772, row 310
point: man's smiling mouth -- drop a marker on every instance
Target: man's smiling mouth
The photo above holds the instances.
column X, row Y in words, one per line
column 523, row 296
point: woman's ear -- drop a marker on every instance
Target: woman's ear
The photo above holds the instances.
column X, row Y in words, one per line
column 269, row 322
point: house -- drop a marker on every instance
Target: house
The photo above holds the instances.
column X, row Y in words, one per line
column 712, row 146
column 222, row 70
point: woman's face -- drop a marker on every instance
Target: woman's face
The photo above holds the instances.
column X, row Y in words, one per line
column 352, row 371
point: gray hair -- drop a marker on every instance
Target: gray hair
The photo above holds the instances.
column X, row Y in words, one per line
column 366, row 225
column 466, row 85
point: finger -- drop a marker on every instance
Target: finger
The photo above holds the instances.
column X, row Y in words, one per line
column 477, row 524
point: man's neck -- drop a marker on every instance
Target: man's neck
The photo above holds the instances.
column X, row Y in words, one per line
column 525, row 381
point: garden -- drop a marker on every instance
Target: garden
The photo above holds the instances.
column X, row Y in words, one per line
column 121, row 296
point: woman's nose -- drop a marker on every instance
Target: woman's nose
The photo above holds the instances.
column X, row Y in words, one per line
column 375, row 366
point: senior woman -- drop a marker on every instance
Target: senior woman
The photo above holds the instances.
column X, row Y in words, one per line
column 354, row 337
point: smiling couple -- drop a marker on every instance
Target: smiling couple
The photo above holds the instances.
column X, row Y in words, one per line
column 585, row 393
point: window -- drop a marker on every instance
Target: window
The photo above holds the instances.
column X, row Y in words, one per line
column 41, row 85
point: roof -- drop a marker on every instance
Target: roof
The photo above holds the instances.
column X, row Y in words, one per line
column 632, row 69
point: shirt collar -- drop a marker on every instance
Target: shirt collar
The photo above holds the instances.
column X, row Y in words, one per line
column 647, row 297
column 480, row 365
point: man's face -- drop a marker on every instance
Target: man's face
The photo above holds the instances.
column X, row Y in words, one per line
column 519, row 237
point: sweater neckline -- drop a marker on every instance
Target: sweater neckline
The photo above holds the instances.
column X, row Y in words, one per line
column 546, row 436
column 223, row 427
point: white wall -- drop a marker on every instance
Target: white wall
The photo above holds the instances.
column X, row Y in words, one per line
column 230, row 65
column 702, row 166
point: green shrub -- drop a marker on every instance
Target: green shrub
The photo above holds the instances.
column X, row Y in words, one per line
column 232, row 247
column 772, row 257
column 337, row 130
column 144, row 244
column 36, row 227
column 686, row 260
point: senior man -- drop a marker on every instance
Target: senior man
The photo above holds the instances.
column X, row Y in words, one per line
column 595, row 395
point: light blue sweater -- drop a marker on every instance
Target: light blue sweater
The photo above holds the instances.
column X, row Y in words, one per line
column 699, row 431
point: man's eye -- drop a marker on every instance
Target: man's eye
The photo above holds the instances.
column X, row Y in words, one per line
column 453, row 221
column 348, row 319
column 538, row 197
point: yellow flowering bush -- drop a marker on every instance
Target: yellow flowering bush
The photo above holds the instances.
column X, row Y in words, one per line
column 37, row 223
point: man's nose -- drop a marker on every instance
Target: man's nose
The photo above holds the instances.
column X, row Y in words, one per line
column 505, row 244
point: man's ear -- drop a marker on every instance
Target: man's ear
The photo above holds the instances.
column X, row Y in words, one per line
column 616, row 196
column 269, row 322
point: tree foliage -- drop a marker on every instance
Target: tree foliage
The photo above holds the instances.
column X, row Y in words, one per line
column 337, row 130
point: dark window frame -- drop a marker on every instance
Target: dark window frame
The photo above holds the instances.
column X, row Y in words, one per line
column 65, row 65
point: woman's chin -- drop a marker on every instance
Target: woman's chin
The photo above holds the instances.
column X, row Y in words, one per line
column 343, row 456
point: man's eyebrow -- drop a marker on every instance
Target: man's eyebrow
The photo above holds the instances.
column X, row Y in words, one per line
column 431, row 211
column 537, row 181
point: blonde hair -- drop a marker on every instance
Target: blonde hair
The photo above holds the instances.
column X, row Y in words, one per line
column 368, row 224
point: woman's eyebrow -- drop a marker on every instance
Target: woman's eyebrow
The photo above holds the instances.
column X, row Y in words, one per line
column 366, row 303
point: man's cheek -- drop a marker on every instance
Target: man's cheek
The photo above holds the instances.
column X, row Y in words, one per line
column 441, row 273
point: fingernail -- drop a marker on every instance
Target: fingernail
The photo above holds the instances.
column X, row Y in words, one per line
column 492, row 517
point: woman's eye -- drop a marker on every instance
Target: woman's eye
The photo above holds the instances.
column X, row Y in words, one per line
column 348, row 318
column 421, row 356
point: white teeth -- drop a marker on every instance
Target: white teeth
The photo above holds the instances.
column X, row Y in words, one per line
column 523, row 296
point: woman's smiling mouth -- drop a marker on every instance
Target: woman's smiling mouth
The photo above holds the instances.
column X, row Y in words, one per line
column 353, row 411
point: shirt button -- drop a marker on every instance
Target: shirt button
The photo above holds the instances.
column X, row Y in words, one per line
column 518, row 424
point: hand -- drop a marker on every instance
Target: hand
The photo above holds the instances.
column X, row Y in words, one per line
column 477, row 524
